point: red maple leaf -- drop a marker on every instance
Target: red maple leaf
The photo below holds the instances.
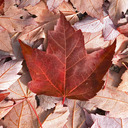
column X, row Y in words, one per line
column 65, row 69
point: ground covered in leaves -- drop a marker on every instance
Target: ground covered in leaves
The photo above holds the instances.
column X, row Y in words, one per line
column 64, row 64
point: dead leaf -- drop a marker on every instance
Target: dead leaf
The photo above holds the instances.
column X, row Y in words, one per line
column 14, row 19
column 52, row 4
column 58, row 118
column 124, row 84
column 112, row 100
column 8, row 73
column 93, row 25
column 5, row 41
column 90, row 6
column 116, row 8
column 76, row 118
column 55, row 55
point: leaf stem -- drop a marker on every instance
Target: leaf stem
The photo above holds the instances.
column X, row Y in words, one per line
column 63, row 100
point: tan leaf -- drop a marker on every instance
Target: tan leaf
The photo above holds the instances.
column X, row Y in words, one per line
column 48, row 102
column 5, row 41
column 124, row 84
column 46, row 20
column 58, row 118
column 52, row 4
column 92, row 7
column 112, row 100
column 76, row 118
column 116, row 8
column 14, row 19
column 21, row 113
column 8, row 73
column 95, row 41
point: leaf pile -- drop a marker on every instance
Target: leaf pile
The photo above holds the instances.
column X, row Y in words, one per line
column 63, row 63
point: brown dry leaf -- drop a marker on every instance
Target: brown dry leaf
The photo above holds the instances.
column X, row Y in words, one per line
column 95, row 41
column 76, row 118
column 124, row 84
column 19, row 3
column 14, row 19
column 48, row 102
column 5, row 41
column 52, row 4
column 120, row 56
column 58, row 118
column 101, row 121
column 113, row 76
column 22, row 101
column 112, row 100
column 116, row 8
column 21, row 116
column 68, row 11
column 92, row 7
column 9, row 73
column 46, row 20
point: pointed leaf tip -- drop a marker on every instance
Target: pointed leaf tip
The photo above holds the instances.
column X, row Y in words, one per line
column 25, row 48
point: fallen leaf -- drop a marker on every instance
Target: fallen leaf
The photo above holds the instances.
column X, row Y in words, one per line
column 8, row 73
column 90, row 6
column 48, row 102
column 58, row 118
column 19, row 3
column 93, row 25
column 46, row 20
column 24, row 116
column 108, row 122
column 21, row 113
column 52, row 4
column 124, row 84
column 14, row 19
column 95, row 41
column 116, row 8
column 5, row 41
column 24, row 3
column 111, row 100
column 76, row 118
column 102, row 121
column 67, row 66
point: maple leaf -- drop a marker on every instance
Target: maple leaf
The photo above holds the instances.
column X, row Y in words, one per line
column 52, row 4
column 58, row 118
column 5, row 45
column 60, row 70
column 76, row 118
column 19, row 113
column 48, row 102
column 116, row 8
column 124, row 84
column 15, row 22
column 20, row 3
column 90, row 6
column 8, row 73
column 95, row 41
column 101, row 121
column 46, row 20
column 112, row 100
column 93, row 25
